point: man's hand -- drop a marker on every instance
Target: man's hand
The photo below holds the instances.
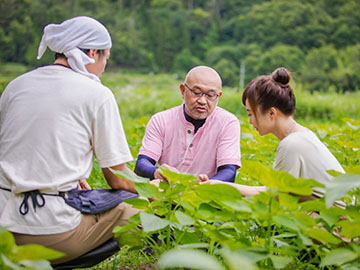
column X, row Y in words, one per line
column 203, row 177
column 83, row 184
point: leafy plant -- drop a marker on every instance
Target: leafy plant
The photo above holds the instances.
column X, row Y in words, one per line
column 272, row 228
column 29, row 256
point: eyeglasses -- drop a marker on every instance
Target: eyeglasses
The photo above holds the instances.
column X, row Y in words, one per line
column 198, row 93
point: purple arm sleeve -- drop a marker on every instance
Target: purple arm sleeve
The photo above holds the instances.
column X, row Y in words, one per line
column 145, row 167
column 225, row 173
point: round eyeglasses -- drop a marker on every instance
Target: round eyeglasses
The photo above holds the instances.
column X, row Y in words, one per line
column 198, row 93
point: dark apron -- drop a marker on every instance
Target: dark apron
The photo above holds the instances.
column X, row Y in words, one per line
column 88, row 201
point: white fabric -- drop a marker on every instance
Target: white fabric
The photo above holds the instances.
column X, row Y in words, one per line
column 302, row 154
column 72, row 35
column 52, row 122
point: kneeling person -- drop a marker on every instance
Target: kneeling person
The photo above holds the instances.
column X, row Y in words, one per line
column 196, row 137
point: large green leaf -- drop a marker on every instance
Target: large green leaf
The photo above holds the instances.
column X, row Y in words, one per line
column 323, row 236
column 36, row 252
column 138, row 203
column 175, row 177
column 236, row 260
column 5, row 263
column 7, row 242
column 339, row 186
column 210, row 213
column 289, row 201
column 254, row 254
column 223, row 194
column 350, row 229
column 184, row 219
column 130, row 176
column 148, row 190
column 189, row 258
column 338, row 256
column 152, row 223
column 281, row 180
column 283, row 220
column 280, row 261
column 36, row 265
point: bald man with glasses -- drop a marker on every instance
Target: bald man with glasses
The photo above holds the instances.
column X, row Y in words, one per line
column 196, row 137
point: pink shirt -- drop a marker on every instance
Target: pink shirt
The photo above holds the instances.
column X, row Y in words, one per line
column 170, row 139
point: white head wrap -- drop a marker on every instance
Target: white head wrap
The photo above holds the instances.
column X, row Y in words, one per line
column 72, row 35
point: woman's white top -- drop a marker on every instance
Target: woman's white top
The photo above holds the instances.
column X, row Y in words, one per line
column 302, row 154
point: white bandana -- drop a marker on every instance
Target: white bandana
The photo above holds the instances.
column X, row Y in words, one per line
column 72, row 35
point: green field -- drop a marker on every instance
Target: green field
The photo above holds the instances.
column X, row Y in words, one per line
column 333, row 117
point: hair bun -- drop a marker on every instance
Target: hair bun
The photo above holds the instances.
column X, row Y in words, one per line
column 281, row 75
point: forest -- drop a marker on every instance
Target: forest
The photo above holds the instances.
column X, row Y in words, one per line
column 319, row 41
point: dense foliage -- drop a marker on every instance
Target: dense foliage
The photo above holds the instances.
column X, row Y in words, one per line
column 318, row 40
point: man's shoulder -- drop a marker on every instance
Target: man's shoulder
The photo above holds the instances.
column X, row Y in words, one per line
column 168, row 114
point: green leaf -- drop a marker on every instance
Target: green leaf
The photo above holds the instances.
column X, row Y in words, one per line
column 338, row 256
column 303, row 219
column 223, row 194
column 350, row 229
column 285, row 221
column 339, row 186
column 210, row 213
column 236, row 260
column 148, row 190
column 7, row 242
column 120, row 230
column 152, row 223
column 36, row 265
column 194, row 245
column 329, row 216
column 138, row 203
column 10, row 265
column 280, row 261
column 313, row 205
column 127, row 175
column 289, row 201
column 189, row 258
column 306, row 240
column 281, row 180
column 323, row 236
column 36, row 252
column 174, row 177
column 184, row 219
column 253, row 254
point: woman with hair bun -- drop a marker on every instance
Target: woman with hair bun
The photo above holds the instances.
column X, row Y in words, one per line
column 270, row 103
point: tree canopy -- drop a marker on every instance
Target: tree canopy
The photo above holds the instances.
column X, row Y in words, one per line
column 319, row 41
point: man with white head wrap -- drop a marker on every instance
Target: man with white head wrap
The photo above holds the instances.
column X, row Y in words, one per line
column 53, row 121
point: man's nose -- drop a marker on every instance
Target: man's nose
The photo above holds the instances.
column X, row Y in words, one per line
column 202, row 100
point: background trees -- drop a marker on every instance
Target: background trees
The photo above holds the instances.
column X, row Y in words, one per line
column 317, row 40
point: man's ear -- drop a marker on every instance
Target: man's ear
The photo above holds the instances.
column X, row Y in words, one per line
column 182, row 89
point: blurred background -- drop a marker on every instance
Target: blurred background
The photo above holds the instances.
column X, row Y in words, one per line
column 318, row 40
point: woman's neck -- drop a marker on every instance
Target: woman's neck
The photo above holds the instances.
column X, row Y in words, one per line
column 287, row 125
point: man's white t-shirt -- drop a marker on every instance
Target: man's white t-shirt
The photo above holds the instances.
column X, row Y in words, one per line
column 53, row 121
column 302, row 154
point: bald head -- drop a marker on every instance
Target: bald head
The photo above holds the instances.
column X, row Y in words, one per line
column 201, row 91
column 205, row 76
